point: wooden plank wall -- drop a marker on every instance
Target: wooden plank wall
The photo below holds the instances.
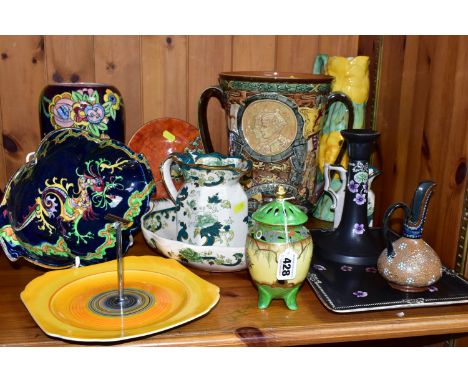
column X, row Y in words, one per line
column 423, row 118
column 158, row 76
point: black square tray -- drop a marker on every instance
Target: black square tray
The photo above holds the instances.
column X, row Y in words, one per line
column 345, row 289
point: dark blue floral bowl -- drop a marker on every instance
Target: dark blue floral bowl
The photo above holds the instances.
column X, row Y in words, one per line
column 54, row 207
column 97, row 108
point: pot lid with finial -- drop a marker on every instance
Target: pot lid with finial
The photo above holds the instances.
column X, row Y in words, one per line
column 280, row 212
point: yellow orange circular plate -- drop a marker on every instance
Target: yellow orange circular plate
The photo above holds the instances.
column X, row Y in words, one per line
column 76, row 304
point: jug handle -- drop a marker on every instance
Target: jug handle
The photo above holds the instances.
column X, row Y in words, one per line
column 165, row 170
column 386, row 229
column 343, row 98
column 213, row 91
column 337, row 196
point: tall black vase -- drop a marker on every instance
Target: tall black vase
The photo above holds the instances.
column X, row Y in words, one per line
column 353, row 241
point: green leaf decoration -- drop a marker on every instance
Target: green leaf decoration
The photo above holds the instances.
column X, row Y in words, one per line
column 189, row 254
column 361, row 177
column 77, row 97
column 93, row 130
column 102, row 126
column 107, row 108
column 112, row 113
column 95, row 95
column 44, row 107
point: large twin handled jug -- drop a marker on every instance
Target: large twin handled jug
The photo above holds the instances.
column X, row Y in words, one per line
column 274, row 119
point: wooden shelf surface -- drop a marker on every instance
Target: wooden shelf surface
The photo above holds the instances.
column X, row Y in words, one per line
column 236, row 320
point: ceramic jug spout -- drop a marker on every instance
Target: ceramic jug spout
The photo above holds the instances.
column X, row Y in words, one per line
column 415, row 221
column 414, row 217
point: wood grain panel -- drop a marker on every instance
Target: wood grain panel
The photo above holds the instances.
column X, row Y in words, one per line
column 413, row 106
column 388, row 111
column 437, row 148
column 117, row 62
column 407, row 129
column 448, row 137
column 254, row 53
column 22, row 77
column 371, row 46
column 339, row 45
column 70, row 58
column 208, row 56
column 164, row 77
column 425, row 136
column 296, row 53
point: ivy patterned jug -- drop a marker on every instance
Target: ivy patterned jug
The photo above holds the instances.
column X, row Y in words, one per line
column 211, row 205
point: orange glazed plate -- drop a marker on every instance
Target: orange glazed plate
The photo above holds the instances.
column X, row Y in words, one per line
column 80, row 304
column 159, row 138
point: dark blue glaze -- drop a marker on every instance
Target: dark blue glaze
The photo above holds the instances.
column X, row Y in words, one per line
column 98, row 118
column 69, row 164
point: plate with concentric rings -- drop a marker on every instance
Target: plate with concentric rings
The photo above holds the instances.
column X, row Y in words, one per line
column 82, row 304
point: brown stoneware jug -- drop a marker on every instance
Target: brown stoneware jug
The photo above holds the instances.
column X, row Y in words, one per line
column 409, row 264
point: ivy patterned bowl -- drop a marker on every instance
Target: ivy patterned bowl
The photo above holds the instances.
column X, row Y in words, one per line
column 160, row 232
column 55, row 206
column 97, row 108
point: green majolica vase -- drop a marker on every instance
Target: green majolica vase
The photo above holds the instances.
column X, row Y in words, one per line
column 278, row 251
column 351, row 77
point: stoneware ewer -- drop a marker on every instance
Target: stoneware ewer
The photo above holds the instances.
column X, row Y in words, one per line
column 409, row 264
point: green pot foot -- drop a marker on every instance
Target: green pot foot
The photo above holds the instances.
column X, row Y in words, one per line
column 266, row 294
column 290, row 298
column 264, row 297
